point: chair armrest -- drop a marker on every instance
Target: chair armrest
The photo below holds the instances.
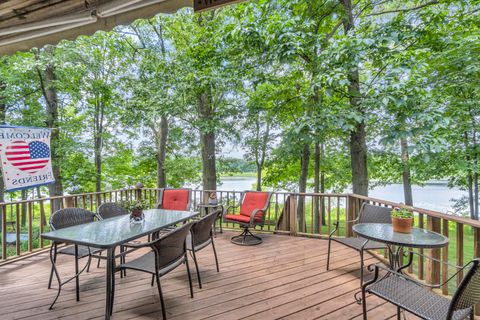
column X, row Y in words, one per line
column 254, row 212
column 225, row 211
column 337, row 224
column 401, row 275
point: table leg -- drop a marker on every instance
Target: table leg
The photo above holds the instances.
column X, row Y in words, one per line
column 77, row 278
column 108, row 298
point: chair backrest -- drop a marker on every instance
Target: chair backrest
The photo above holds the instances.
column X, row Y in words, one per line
column 468, row 292
column 202, row 229
column 68, row 217
column 171, row 247
column 253, row 200
column 175, row 199
column 110, row 210
column 370, row 213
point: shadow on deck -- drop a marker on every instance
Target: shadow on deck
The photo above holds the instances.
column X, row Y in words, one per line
column 284, row 277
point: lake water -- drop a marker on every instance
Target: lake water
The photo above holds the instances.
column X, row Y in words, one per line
column 433, row 196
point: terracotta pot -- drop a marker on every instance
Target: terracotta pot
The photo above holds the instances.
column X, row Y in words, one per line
column 402, row 225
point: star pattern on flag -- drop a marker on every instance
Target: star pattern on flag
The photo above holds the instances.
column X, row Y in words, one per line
column 39, row 150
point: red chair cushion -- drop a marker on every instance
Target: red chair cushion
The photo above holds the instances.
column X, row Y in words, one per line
column 175, row 199
column 240, row 218
column 253, row 201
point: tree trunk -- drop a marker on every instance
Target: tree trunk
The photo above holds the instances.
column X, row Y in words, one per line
column 358, row 146
column 207, row 143
column 162, row 136
column 302, row 187
column 316, row 188
column 3, row 116
column 470, row 180
column 259, row 177
column 407, row 185
column 51, row 97
column 98, row 162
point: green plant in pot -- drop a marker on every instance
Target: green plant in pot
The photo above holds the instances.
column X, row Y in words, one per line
column 135, row 208
column 402, row 220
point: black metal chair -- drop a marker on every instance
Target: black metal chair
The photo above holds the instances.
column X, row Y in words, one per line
column 168, row 252
column 64, row 218
column 201, row 235
column 368, row 214
column 419, row 299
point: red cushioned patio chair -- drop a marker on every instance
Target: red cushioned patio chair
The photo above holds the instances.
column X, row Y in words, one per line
column 175, row 199
column 253, row 207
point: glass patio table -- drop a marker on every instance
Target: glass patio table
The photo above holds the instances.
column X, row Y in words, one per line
column 395, row 241
column 108, row 234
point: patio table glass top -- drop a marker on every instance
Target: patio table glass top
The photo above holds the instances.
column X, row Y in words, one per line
column 117, row 230
column 382, row 232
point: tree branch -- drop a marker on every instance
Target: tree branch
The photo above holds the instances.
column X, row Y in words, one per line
column 405, row 9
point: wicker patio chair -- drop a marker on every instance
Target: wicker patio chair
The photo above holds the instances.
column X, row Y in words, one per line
column 419, row 299
column 253, row 209
column 201, row 235
column 69, row 217
column 175, row 199
column 168, row 252
column 368, row 214
column 109, row 210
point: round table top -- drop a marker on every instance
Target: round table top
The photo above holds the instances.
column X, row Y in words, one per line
column 383, row 232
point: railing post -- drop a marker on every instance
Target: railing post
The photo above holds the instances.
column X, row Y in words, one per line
column 476, row 254
column 68, row 202
column 3, row 212
column 350, row 215
column 138, row 191
column 433, row 267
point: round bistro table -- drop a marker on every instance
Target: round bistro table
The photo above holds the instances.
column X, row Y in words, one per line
column 395, row 241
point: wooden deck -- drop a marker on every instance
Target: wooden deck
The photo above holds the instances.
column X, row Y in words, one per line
column 283, row 278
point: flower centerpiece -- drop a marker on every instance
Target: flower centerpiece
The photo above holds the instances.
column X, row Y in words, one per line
column 402, row 220
column 135, row 208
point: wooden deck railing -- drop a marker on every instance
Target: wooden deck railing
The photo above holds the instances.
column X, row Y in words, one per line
column 298, row 214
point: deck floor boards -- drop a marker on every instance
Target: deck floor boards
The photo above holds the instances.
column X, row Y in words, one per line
column 284, row 278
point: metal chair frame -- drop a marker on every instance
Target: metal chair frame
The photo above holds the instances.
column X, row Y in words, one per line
column 366, row 245
column 165, row 269
column 193, row 247
column 77, row 216
column 241, row 239
column 464, row 298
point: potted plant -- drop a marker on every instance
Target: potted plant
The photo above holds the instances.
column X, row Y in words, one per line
column 402, row 220
column 135, row 208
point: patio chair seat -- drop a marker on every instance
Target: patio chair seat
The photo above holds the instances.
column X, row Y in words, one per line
column 241, row 218
column 414, row 298
column 82, row 251
column 357, row 243
column 146, row 263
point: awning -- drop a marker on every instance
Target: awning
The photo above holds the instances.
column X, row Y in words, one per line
column 25, row 24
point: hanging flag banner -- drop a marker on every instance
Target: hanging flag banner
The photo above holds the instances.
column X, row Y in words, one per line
column 26, row 157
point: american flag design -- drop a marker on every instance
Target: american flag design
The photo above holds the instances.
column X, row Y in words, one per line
column 29, row 157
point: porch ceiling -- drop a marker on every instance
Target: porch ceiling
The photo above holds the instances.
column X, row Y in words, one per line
column 25, row 24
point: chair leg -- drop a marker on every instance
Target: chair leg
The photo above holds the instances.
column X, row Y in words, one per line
column 196, row 267
column 364, row 304
column 215, row 254
column 328, row 253
column 399, row 313
column 189, row 276
column 51, row 270
column 153, row 280
column 164, row 313
column 361, row 267
column 98, row 262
